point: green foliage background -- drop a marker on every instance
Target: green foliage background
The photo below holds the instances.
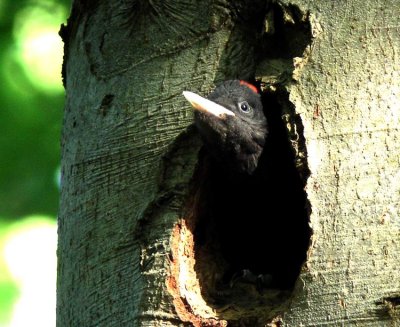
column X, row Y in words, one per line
column 30, row 123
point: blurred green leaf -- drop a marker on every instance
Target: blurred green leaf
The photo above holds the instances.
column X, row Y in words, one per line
column 31, row 105
column 31, row 102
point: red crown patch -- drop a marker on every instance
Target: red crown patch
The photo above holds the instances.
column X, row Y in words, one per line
column 250, row 86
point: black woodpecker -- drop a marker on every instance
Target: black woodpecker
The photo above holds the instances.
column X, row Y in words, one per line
column 232, row 124
column 254, row 202
column 234, row 129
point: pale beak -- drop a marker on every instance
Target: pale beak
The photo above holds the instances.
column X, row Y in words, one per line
column 207, row 106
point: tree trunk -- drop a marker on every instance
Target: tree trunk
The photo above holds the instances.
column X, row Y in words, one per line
column 135, row 246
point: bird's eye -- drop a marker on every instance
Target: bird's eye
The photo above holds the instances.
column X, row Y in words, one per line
column 245, row 107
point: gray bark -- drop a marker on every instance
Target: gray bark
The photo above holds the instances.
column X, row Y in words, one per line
column 128, row 156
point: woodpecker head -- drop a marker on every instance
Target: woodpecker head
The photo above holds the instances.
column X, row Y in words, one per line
column 232, row 124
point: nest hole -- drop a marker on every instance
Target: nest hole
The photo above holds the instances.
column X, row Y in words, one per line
column 251, row 233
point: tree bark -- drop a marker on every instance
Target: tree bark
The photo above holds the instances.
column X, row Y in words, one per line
column 132, row 177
